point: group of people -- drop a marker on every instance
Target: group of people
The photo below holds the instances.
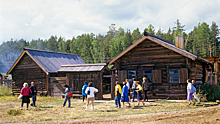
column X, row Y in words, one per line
column 26, row 93
column 191, row 91
column 88, row 91
column 121, row 94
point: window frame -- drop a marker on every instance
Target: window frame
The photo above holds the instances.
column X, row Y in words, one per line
column 150, row 79
column 177, row 74
column 131, row 74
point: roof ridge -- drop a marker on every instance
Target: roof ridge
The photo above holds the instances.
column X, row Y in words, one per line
column 48, row 51
column 152, row 35
column 94, row 64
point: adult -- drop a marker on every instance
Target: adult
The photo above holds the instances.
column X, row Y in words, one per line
column 194, row 94
column 90, row 91
column 25, row 92
column 190, row 92
column 34, row 94
column 124, row 94
column 145, row 86
column 84, row 89
column 128, row 85
column 117, row 94
column 139, row 90
column 68, row 90
column 134, row 85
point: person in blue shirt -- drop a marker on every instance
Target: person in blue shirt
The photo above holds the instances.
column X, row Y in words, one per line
column 34, row 94
column 84, row 89
column 194, row 94
column 124, row 94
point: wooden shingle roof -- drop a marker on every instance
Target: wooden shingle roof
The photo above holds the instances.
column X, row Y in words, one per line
column 82, row 67
column 49, row 61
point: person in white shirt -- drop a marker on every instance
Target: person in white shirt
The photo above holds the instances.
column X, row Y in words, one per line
column 128, row 85
column 90, row 91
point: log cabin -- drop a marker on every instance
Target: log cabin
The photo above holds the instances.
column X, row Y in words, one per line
column 97, row 73
column 165, row 64
column 212, row 74
column 1, row 79
column 42, row 68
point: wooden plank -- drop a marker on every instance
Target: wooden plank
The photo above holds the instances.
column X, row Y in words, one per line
column 128, row 49
column 183, row 75
column 156, row 76
column 171, row 47
column 122, row 75
column 16, row 62
column 107, row 76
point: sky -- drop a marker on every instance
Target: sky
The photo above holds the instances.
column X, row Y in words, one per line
column 33, row 19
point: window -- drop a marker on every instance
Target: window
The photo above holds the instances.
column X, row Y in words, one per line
column 174, row 78
column 131, row 74
column 148, row 74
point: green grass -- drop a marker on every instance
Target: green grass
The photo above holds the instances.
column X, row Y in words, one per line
column 50, row 110
column 4, row 90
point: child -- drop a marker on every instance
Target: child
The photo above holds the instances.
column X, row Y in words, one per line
column 117, row 94
column 139, row 90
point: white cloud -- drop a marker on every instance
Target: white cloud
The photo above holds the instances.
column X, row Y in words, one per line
column 38, row 20
column 32, row 19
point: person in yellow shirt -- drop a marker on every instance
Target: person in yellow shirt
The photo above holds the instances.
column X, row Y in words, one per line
column 139, row 90
column 117, row 94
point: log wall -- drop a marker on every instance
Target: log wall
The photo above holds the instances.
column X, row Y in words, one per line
column 27, row 71
column 56, row 84
column 160, row 60
column 76, row 81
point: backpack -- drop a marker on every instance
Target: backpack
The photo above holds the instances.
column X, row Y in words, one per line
column 70, row 93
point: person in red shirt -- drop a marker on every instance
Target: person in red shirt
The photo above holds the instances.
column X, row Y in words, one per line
column 25, row 92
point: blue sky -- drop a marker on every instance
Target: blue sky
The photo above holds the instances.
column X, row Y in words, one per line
column 33, row 19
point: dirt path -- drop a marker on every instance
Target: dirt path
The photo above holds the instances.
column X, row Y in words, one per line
column 203, row 115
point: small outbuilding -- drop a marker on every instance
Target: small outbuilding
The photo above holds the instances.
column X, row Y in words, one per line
column 98, row 74
column 41, row 67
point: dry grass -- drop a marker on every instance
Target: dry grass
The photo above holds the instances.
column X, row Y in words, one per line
column 51, row 110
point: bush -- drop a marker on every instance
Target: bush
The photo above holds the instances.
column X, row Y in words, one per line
column 14, row 112
column 209, row 92
column 4, row 90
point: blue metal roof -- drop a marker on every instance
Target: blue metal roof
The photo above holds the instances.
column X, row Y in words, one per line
column 52, row 61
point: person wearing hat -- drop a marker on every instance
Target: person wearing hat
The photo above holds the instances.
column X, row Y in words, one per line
column 84, row 89
column 68, row 90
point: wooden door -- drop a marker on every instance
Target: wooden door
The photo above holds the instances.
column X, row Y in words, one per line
column 122, row 75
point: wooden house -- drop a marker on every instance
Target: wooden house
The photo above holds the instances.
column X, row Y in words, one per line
column 166, row 65
column 212, row 73
column 41, row 67
column 98, row 74
column 1, row 79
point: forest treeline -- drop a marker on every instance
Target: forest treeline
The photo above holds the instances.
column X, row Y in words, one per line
column 201, row 41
